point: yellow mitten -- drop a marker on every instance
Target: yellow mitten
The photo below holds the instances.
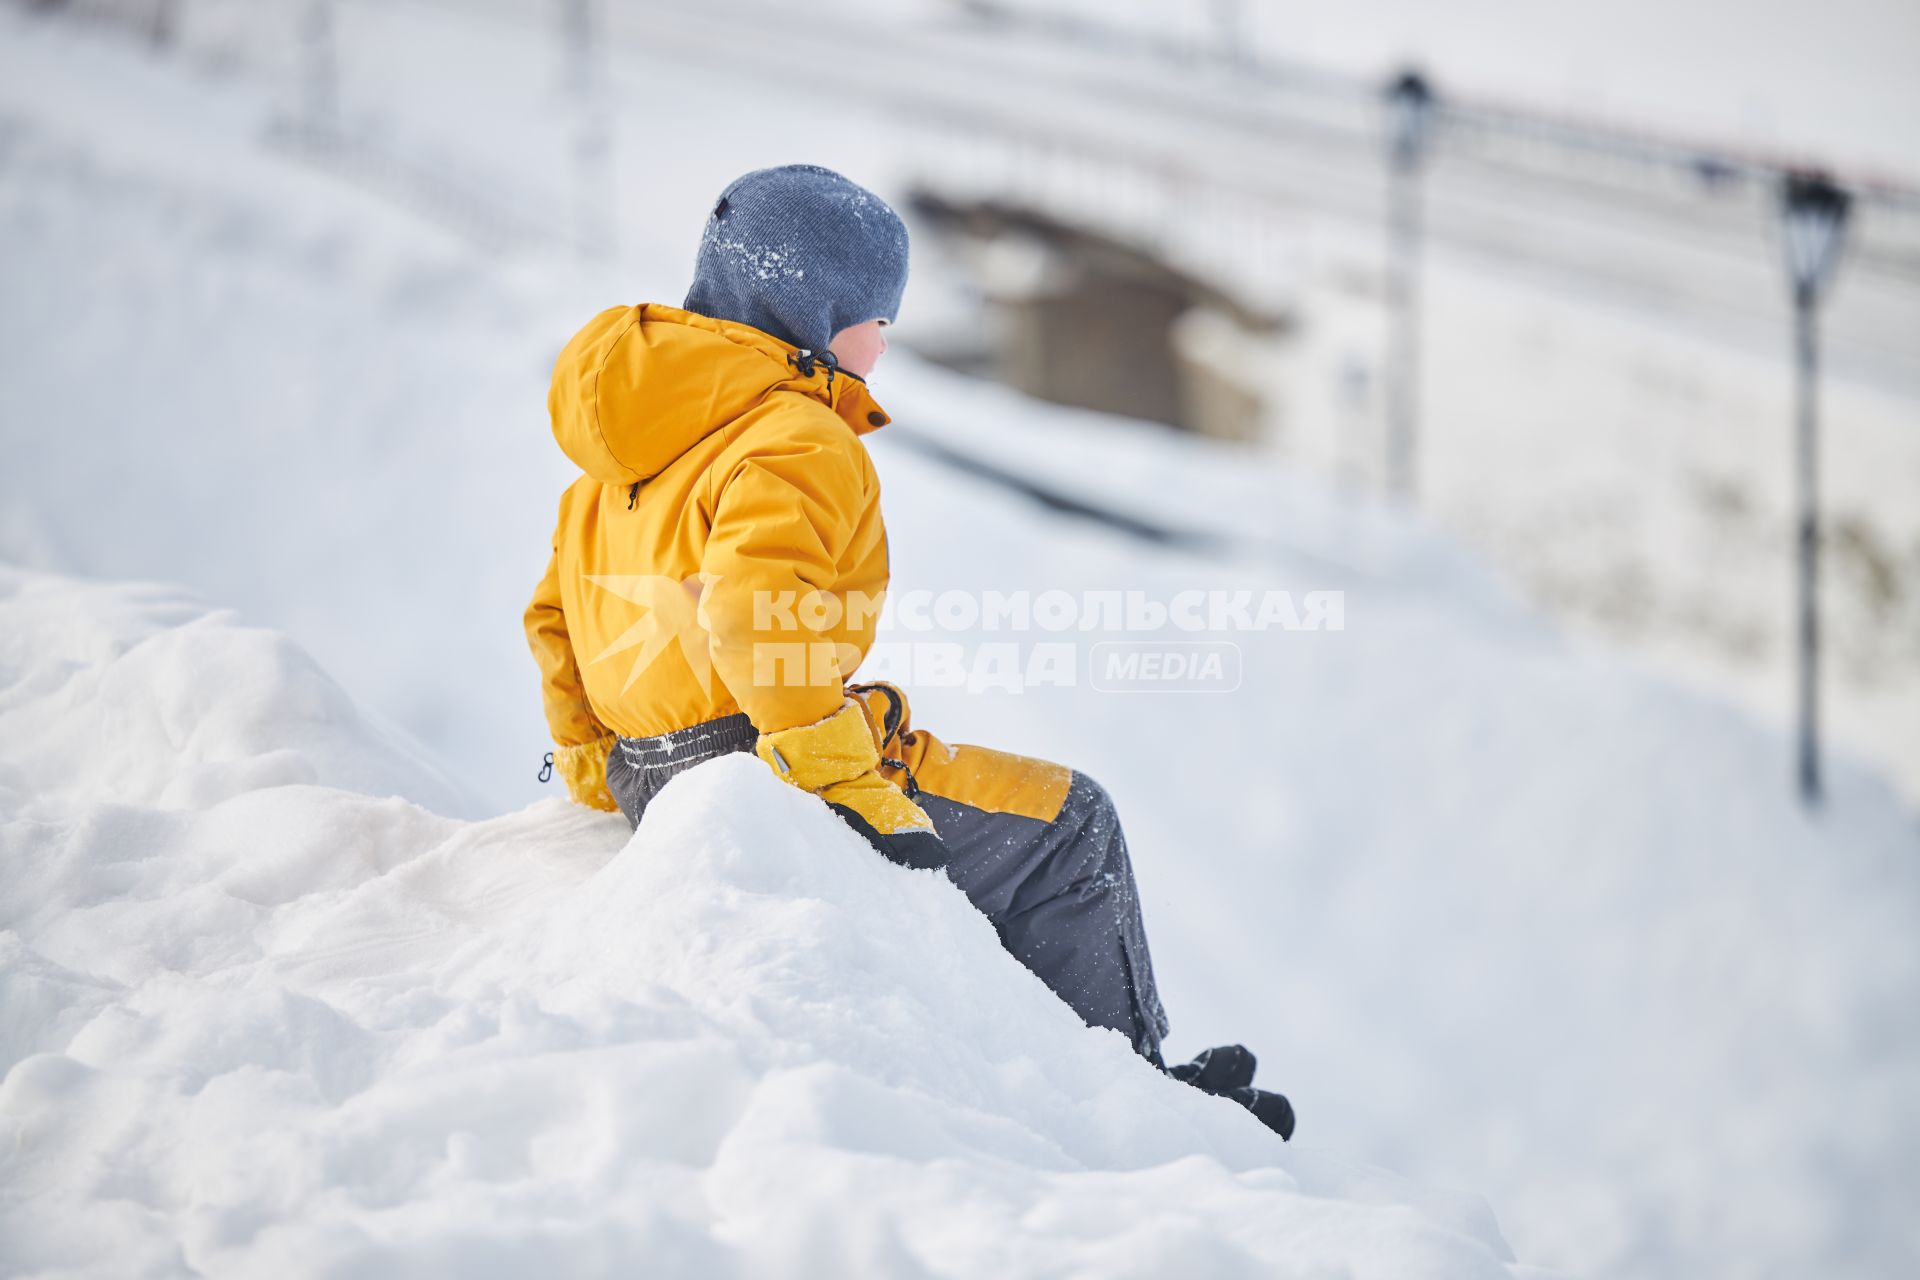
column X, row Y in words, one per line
column 584, row 767
column 837, row 760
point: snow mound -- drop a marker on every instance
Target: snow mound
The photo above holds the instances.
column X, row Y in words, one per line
column 254, row 1025
column 141, row 694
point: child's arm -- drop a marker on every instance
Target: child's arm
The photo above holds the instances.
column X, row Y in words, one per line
column 786, row 516
column 789, row 518
column 581, row 742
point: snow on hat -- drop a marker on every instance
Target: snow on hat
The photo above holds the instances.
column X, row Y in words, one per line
column 800, row 252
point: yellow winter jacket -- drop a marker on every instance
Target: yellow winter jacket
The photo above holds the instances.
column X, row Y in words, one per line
column 705, row 561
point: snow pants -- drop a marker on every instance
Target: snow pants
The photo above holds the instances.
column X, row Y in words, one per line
column 1035, row 846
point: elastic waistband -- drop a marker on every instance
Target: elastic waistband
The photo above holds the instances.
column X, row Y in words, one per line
column 684, row 748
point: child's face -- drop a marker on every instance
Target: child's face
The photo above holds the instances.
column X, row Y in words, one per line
column 859, row 348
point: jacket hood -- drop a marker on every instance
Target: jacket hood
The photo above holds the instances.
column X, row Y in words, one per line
column 639, row 386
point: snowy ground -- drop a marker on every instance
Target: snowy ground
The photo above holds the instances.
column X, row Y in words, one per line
column 263, row 1016
column 1499, row 912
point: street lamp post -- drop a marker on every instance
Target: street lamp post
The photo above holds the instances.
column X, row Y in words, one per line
column 1813, row 215
column 320, row 73
column 1410, row 104
column 585, row 38
column 1230, row 32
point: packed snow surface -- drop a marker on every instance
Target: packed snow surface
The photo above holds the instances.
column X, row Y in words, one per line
column 263, row 1018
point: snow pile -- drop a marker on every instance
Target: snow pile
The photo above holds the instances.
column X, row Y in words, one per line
column 254, row 1026
column 138, row 694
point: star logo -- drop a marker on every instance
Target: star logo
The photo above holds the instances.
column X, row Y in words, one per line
column 670, row 615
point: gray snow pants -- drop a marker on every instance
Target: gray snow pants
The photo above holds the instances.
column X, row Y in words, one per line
column 1035, row 846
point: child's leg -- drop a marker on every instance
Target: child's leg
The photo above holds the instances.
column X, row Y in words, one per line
column 1038, row 848
column 1062, row 896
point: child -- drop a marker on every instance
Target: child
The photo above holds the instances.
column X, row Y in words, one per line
column 719, row 446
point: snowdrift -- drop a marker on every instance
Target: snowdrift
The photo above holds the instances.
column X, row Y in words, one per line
column 141, row 695
column 260, row 1014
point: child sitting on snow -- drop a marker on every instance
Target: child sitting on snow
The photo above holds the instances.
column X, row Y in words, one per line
column 719, row 446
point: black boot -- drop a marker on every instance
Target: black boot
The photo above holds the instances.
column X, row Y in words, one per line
column 1226, row 1071
column 1270, row 1109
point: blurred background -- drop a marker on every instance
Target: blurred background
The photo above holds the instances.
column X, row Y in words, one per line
column 1531, row 327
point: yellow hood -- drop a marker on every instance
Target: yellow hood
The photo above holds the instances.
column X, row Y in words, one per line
column 639, row 386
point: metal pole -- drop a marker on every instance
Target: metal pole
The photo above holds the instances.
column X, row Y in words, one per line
column 1230, row 33
column 1807, row 452
column 1403, row 354
column 593, row 186
column 321, row 67
column 166, row 21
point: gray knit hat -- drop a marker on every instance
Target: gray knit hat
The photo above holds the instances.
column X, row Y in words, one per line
column 800, row 252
